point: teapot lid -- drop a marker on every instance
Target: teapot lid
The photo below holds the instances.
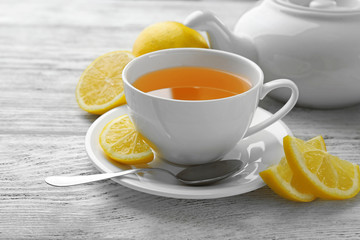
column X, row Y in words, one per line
column 323, row 6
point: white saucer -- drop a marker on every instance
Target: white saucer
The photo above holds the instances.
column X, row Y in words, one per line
column 259, row 151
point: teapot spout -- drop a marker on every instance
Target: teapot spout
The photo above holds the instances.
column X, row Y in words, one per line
column 219, row 35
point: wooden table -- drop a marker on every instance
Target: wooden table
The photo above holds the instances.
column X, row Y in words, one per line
column 44, row 47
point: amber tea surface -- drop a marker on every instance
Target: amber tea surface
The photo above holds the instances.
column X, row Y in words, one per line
column 192, row 83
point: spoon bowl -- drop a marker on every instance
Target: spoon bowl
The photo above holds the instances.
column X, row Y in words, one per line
column 209, row 173
column 204, row 174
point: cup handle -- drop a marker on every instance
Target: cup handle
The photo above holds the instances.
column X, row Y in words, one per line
column 266, row 88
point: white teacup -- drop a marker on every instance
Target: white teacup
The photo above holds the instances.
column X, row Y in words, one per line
column 197, row 132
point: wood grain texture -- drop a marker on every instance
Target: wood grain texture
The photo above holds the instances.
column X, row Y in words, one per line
column 44, row 47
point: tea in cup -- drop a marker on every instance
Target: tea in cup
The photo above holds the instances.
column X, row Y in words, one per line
column 194, row 105
column 192, row 83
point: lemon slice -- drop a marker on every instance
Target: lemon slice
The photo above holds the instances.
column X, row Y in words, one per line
column 282, row 181
column 164, row 35
column 321, row 173
column 100, row 87
column 121, row 142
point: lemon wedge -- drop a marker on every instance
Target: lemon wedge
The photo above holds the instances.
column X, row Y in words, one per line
column 324, row 175
column 282, row 181
column 121, row 142
column 100, row 87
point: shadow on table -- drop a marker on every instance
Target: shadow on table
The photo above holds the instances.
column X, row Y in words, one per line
column 89, row 117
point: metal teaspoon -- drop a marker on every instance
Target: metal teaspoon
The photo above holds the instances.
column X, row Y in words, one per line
column 203, row 174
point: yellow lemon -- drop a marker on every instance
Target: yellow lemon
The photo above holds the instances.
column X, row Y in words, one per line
column 320, row 173
column 282, row 181
column 121, row 142
column 100, row 87
column 166, row 35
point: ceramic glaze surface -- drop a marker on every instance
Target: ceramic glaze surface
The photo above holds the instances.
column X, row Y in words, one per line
column 319, row 52
column 197, row 132
column 258, row 151
column 316, row 46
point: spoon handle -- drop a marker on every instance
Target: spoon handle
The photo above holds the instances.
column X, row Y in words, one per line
column 63, row 181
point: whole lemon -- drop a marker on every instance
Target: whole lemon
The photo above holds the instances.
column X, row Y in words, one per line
column 165, row 35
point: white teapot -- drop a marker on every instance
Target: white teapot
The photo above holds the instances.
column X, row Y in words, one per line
column 315, row 43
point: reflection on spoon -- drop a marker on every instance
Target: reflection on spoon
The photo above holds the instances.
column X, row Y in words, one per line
column 194, row 175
